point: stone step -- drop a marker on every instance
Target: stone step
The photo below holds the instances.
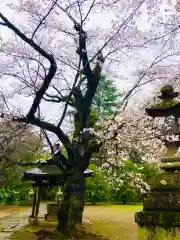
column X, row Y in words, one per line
column 170, row 159
column 170, row 166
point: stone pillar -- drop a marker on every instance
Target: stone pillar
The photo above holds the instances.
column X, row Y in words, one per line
column 160, row 217
column 52, row 210
column 34, row 203
column 38, row 198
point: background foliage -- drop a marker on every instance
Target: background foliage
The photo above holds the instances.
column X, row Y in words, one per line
column 18, row 143
column 116, row 185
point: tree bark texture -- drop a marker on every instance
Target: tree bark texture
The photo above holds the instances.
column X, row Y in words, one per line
column 72, row 207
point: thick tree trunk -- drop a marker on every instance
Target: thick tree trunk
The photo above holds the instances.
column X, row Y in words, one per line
column 72, row 207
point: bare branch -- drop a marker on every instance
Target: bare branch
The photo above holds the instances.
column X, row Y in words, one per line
column 79, row 7
column 42, row 125
column 162, row 36
column 70, row 94
column 52, row 69
column 5, row 101
column 90, row 8
column 44, row 18
column 65, row 11
column 42, row 90
column 48, row 141
column 3, row 24
column 56, row 99
column 124, row 24
column 82, row 51
column 26, row 39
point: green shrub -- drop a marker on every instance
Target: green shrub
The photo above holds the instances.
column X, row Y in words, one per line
column 125, row 194
column 118, row 188
column 13, row 195
column 96, row 187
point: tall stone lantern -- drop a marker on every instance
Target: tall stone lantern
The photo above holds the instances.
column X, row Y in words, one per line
column 160, row 217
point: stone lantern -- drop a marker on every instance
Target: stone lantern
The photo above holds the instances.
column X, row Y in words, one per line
column 160, row 218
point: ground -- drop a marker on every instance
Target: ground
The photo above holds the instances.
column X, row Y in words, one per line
column 9, row 210
column 103, row 221
column 113, row 221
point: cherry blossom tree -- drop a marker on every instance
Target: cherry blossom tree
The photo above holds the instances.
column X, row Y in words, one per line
column 127, row 132
column 53, row 53
column 17, row 143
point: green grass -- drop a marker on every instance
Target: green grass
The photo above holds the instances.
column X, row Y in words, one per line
column 113, row 221
column 102, row 221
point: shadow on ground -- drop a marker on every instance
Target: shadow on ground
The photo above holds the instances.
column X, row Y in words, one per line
column 48, row 235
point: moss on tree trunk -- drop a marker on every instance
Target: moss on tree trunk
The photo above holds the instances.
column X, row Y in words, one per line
column 72, row 207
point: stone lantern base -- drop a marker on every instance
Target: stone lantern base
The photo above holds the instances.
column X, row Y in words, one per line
column 52, row 210
column 160, row 218
column 158, row 225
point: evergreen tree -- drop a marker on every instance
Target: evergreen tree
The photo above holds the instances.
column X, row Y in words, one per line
column 106, row 99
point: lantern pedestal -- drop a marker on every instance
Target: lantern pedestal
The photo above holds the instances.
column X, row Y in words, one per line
column 154, row 231
column 52, row 210
column 160, row 218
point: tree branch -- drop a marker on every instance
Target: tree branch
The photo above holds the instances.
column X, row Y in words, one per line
column 3, row 24
column 43, row 19
column 43, row 88
column 126, row 21
column 43, row 125
column 70, row 95
column 48, row 141
column 52, row 69
column 82, row 51
column 65, row 11
column 90, row 8
column 25, row 38
column 106, row 161
column 47, row 126
column 91, row 90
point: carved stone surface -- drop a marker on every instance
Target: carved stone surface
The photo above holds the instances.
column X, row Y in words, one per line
column 165, row 219
column 52, row 209
column 170, row 166
column 170, row 159
column 166, row 182
column 167, row 201
column 159, row 233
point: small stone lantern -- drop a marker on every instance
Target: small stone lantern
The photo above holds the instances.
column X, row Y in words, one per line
column 160, row 218
column 59, row 197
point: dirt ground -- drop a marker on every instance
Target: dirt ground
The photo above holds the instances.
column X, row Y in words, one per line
column 8, row 210
column 103, row 222
column 113, row 221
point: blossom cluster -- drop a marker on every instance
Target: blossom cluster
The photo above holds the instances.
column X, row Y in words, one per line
column 128, row 132
column 123, row 176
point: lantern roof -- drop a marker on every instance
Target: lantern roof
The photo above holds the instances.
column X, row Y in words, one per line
column 167, row 105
